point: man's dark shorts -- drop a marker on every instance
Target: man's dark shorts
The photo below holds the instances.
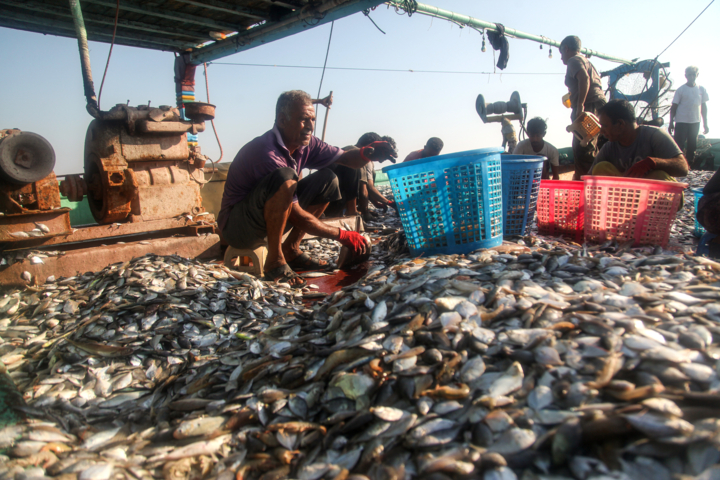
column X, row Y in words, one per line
column 349, row 182
column 246, row 227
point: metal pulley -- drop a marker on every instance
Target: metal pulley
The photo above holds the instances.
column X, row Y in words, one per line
column 513, row 107
column 25, row 157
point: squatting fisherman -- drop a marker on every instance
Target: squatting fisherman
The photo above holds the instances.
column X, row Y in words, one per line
column 357, row 186
column 636, row 151
column 263, row 197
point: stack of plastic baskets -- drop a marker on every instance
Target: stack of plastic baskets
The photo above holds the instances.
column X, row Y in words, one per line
column 699, row 229
column 450, row 203
column 626, row 209
column 521, row 176
column 561, row 209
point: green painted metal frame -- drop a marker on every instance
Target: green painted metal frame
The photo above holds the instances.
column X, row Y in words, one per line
column 188, row 31
column 475, row 23
column 94, row 34
column 149, row 25
column 226, row 8
column 93, row 19
column 294, row 23
column 169, row 15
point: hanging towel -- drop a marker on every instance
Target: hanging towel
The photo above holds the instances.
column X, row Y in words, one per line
column 498, row 40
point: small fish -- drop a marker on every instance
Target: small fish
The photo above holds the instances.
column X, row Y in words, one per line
column 100, row 349
column 314, row 274
column 379, row 312
column 43, row 228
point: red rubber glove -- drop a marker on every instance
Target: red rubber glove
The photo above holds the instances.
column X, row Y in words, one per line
column 379, row 152
column 354, row 241
column 641, row 168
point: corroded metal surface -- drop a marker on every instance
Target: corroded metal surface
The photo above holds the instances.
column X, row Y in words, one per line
column 25, row 157
column 183, row 225
column 73, row 187
column 35, row 226
column 96, row 258
column 140, row 168
column 199, row 111
column 41, row 195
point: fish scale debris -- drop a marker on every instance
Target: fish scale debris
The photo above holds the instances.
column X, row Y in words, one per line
column 537, row 359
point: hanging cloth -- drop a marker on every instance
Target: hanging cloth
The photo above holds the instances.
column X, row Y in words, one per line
column 498, row 40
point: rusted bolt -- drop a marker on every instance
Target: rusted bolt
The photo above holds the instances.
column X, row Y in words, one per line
column 116, row 179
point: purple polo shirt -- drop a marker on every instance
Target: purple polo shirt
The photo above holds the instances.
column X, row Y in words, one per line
column 262, row 156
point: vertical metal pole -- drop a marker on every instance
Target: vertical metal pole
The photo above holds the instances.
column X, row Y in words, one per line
column 327, row 111
column 92, row 105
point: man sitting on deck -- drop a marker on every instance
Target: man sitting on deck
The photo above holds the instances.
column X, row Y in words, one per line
column 635, row 151
column 536, row 145
column 263, row 197
column 432, row 148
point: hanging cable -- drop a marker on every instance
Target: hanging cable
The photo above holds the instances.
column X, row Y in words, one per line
column 366, row 12
column 327, row 52
column 212, row 122
column 112, row 43
column 358, row 69
column 666, row 49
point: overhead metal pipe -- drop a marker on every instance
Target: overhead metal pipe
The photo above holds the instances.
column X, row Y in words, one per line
column 328, row 11
column 473, row 22
column 92, row 104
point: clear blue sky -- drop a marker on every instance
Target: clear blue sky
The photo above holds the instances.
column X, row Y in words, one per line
column 42, row 86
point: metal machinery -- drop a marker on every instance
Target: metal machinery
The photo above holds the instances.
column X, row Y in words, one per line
column 138, row 165
column 516, row 110
column 142, row 179
column 646, row 82
column 142, row 182
column 29, row 193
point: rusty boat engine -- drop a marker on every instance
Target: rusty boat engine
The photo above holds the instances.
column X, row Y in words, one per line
column 138, row 164
column 29, row 194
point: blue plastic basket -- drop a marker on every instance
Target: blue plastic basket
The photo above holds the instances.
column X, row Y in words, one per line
column 699, row 229
column 450, row 203
column 521, row 175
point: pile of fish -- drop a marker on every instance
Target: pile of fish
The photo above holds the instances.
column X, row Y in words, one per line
column 535, row 360
column 683, row 230
column 513, row 363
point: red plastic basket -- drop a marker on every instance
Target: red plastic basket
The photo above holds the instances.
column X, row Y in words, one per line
column 561, row 209
column 625, row 209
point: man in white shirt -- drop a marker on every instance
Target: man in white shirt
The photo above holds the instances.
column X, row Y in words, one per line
column 688, row 106
column 536, row 145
